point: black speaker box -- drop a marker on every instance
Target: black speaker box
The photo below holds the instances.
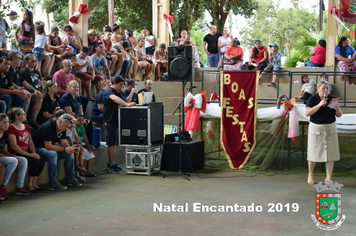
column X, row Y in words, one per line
column 141, row 125
column 192, row 156
column 180, row 63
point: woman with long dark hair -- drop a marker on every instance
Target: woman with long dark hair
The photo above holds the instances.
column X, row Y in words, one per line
column 21, row 143
column 258, row 57
column 345, row 57
column 150, row 42
column 11, row 162
column 318, row 55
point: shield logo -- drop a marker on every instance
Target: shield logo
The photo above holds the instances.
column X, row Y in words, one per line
column 328, row 207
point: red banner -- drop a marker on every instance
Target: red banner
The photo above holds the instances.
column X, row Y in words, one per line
column 239, row 115
column 348, row 11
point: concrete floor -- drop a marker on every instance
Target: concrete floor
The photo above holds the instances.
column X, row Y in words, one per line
column 122, row 204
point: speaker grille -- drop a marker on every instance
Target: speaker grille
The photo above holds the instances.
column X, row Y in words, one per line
column 180, row 67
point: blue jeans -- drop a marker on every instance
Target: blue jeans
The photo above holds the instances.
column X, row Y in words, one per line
column 7, row 99
column 18, row 102
column 125, row 68
column 12, row 101
column 11, row 164
column 213, row 59
column 2, row 106
column 52, row 157
column 312, row 64
column 97, row 118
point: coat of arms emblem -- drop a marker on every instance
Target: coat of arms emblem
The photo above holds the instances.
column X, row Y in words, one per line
column 328, row 206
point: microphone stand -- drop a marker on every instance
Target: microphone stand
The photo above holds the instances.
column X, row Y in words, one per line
column 181, row 135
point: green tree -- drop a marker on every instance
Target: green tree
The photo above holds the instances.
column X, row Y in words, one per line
column 134, row 14
column 185, row 13
column 60, row 11
column 291, row 23
column 282, row 26
column 197, row 37
column 23, row 4
column 219, row 10
column 259, row 25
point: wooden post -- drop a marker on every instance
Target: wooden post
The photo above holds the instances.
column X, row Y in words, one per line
column 159, row 25
column 331, row 37
column 81, row 28
column 111, row 11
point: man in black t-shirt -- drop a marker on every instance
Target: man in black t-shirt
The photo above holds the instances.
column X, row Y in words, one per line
column 34, row 100
column 113, row 97
column 51, row 144
column 212, row 51
column 10, row 95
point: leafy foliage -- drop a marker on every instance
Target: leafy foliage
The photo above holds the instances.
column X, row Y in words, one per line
column 282, row 26
column 197, row 37
column 219, row 10
column 185, row 15
column 23, row 4
column 134, row 14
column 60, row 10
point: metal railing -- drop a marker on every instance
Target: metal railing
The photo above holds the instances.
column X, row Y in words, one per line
column 343, row 103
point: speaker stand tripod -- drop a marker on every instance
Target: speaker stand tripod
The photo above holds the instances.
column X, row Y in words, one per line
column 181, row 134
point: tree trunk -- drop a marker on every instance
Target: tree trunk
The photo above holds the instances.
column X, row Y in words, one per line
column 218, row 13
column 111, row 11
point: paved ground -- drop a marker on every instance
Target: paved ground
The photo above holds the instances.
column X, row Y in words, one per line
column 123, row 205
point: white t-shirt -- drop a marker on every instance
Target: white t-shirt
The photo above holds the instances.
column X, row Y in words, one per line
column 141, row 50
column 81, row 62
column 147, row 44
column 309, row 87
column 223, row 41
column 40, row 41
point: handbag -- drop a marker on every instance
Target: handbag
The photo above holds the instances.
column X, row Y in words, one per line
column 229, row 62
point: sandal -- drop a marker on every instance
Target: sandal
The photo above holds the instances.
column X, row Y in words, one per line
column 80, row 169
column 350, row 83
column 91, row 174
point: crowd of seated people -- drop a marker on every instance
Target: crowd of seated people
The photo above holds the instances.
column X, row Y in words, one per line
column 45, row 89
